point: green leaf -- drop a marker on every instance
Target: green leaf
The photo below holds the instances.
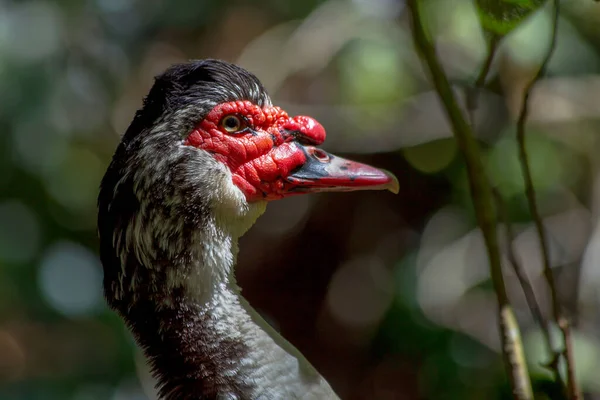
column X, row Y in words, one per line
column 499, row 17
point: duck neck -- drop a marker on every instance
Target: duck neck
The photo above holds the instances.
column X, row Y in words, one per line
column 204, row 340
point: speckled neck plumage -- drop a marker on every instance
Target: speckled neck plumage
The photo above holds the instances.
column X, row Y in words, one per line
column 205, row 342
column 188, row 357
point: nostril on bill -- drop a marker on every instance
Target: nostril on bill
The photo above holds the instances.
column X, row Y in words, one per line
column 320, row 155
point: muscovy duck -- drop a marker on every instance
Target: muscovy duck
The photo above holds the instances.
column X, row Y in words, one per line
column 194, row 170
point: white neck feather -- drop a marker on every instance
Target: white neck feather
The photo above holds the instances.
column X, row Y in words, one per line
column 277, row 368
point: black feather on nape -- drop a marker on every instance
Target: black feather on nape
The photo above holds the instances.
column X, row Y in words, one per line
column 196, row 86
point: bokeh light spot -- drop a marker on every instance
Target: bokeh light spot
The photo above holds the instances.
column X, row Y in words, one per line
column 528, row 44
column 70, row 279
column 373, row 73
column 34, row 30
column 431, row 157
column 505, row 169
column 129, row 389
column 361, row 291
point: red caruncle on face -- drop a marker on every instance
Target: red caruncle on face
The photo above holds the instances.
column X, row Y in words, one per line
column 263, row 151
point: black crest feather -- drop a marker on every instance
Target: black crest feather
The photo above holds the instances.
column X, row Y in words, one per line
column 199, row 85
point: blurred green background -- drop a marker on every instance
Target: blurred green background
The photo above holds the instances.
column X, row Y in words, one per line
column 388, row 296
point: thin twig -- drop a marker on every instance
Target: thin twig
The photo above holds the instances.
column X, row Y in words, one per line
column 472, row 93
column 481, row 194
column 572, row 386
column 573, row 392
column 530, row 297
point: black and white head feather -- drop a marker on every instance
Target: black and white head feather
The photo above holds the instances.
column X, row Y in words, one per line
column 157, row 193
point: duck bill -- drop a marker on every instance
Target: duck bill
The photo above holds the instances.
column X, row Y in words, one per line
column 325, row 172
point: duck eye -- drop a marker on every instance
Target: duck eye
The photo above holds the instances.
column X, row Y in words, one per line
column 232, row 124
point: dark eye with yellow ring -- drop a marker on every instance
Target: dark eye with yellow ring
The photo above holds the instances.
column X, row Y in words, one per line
column 233, row 124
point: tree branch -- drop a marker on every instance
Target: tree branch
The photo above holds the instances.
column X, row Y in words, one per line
column 530, row 297
column 573, row 392
column 481, row 194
